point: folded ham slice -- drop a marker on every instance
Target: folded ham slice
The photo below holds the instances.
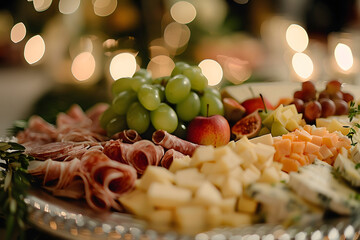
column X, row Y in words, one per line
column 169, row 141
column 144, row 153
column 117, row 150
column 169, row 157
column 127, row 136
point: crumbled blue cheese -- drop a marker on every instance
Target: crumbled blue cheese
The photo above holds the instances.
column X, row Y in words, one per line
column 348, row 169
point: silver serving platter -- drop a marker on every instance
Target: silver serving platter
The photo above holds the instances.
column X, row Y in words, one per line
column 72, row 219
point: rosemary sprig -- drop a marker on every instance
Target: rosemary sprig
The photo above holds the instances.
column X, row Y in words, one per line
column 14, row 182
column 353, row 112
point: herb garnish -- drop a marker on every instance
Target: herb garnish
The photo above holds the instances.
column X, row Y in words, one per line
column 353, row 111
column 14, row 182
column 357, row 166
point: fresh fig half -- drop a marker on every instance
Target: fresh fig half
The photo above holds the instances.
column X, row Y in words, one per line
column 248, row 126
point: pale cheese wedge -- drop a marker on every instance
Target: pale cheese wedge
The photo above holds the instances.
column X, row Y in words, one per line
column 155, row 174
column 180, row 163
column 136, row 202
column 167, row 196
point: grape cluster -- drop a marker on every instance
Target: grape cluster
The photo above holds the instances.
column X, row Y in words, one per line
column 142, row 103
column 329, row 102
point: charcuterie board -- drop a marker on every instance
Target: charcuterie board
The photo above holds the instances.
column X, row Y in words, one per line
column 75, row 220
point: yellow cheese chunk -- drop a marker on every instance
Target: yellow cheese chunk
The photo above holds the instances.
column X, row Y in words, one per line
column 270, row 175
column 217, row 179
column 191, row 219
column 264, row 152
column 180, row 163
column 207, row 194
column 246, row 205
column 136, row 202
column 231, row 188
column 167, row 196
column 161, row 216
column 155, row 174
column 228, row 204
column 250, row 176
column 189, row 178
column 213, row 216
column 236, row 219
column 202, row 154
column 266, row 139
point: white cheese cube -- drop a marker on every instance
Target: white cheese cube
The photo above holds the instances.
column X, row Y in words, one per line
column 266, row 139
column 231, row 188
column 180, row 163
column 248, row 155
column 229, row 161
column 243, row 144
column 207, row 194
column 202, row 154
column 189, row 178
column 136, row 202
column 236, row 173
column 246, row 205
column 155, row 174
column 217, row 179
column 210, row 168
column 264, row 152
column 250, row 176
column 228, row 204
column 191, row 219
column 232, row 144
column 213, row 216
column 167, row 196
column 270, row 175
column 236, row 219
column 161, row 216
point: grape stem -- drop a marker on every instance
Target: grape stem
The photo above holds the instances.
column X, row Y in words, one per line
column 262, row 99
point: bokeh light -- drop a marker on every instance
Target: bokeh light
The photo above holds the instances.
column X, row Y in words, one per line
column 34, row 49
column 161, row 66
column 183, row 12
column 176, row 35
column 68, row 6
column 212, row 71
column 83, row 66
column 41, row 5
column 18, row 32
column 104, row 8
column 122, row 65
column 344, row 56
column 302, row 65
column 297, row 37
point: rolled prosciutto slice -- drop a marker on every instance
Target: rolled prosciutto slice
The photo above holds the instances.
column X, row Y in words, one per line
column 169, row 156
column 128, row 136
column 169, row 141
column 117, row 150
column 144, row 153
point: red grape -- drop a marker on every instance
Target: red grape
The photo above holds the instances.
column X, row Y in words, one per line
column 309, row 91
column 348, row 97
column 312, row 110
column 324, row 94
column 336, row 95
column 298, row 94
column 342, row 108
column 299, row 104
column 328, row 107
column 333, row 86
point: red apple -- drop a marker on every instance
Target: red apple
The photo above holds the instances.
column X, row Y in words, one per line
column 252, row 104
column 213, row 130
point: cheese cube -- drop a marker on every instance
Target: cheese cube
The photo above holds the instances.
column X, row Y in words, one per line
column 213, row 216
column 202, row 154
column 136, row 202
column 243, row 144
column 167, row 196
column 292, row 124
column 266, row 139
column 250, row 176
column 155, row 174
column 191, row 219
column 211, row 167
column 236, row 173
column 228, row 204
column 189, row 178
column 264, row 152
column 236, row 219
column 270, row 175
column 249, row 155
column 246, row 205
column 180, row 163
column 217, row 179
column 160, row 216
column 232, row 144
column 207, row 194
column 231, row 188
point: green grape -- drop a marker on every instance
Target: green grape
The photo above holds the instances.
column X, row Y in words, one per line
column 137, row 82
column 164, row 117
column 180, row 130
column 161, row 80
column 149, row 97
column 143, row 73
column 197, row 79
column 211, row 105
column 138, row 118
column 179, row 68
column 212, row 91
column 122, row 101
column 120, row 85
column 116, row 125
column 161, row 89
column 177, row 89
column 189, row 108
column 106, row 116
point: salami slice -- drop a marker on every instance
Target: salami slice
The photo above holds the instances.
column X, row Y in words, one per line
column 169, row 157
column 169, row 141
column 128, row 136
column 117, row 150
column 144, row 153
column 54, row 150
column 37, row 132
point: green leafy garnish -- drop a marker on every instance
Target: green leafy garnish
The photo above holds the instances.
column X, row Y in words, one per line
column 16, row 127
column 357, row 166
column 353, row 112
column 14, row 183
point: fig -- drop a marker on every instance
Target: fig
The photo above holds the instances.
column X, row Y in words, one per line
column 233, row 111
column 248, row 126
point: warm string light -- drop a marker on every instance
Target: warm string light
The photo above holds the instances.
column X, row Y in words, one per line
column 34, row 49
column 297, row 38
column 344, row 56
column 123, row 65
column 183, row 12
column 68, row 6
column 212, row 70
column 161, row 66
column 83, row 66
column 303, row 65
column 18, row 32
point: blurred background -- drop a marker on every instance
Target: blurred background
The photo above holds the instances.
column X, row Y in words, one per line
column 54, row 53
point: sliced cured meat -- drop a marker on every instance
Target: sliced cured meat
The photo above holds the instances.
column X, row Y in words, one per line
column 128, row 136
column 75, row 117
column 94, row 114
column 38, row 132
column 55, row 150
column 170, row 141
column 117, row 150
column 144, row 153
column 169, row 157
